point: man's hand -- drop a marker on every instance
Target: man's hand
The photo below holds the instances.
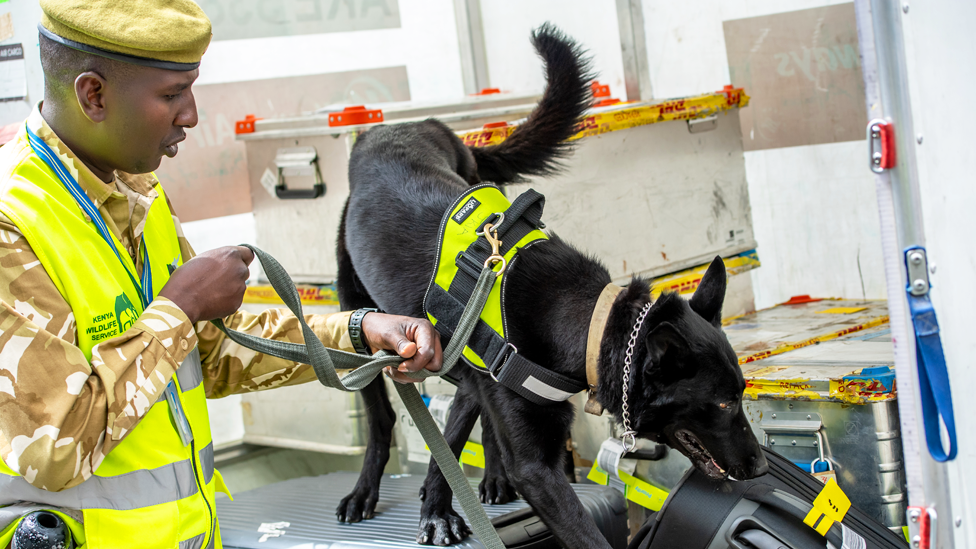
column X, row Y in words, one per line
column 211, row 285
column 412, row 338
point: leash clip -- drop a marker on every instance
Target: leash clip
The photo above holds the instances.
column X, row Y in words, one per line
column 496, row 256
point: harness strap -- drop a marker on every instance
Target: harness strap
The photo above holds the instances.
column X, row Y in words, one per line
column 522, row 217
column 538, row 384
column 528, row 379
column 527, row 206
column 484, row 341
column 325, row 362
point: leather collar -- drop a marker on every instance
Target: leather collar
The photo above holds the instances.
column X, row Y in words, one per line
column 598, row 324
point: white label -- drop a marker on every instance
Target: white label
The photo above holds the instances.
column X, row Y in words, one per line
column 269, row 181
column 271, row 530
column 825, row 476
column 851, row 539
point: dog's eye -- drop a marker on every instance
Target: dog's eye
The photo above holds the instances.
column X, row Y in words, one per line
column 723, row 405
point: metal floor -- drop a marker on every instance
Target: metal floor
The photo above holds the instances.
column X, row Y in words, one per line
column 308, row 506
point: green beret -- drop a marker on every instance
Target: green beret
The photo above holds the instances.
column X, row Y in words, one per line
column 167, row 34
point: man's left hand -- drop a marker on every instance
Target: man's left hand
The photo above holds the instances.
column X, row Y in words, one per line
column 414, row 339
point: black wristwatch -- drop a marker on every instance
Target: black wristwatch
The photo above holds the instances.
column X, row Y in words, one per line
column 356, row 330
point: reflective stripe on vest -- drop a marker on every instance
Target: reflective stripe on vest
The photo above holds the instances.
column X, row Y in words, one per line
column 151, row 491
column 463, row 219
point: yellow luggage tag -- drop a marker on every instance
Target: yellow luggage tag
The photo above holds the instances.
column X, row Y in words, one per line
column 832, row 504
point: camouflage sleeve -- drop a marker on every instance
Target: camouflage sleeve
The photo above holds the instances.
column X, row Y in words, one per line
column 229, row 368
column 61, row 414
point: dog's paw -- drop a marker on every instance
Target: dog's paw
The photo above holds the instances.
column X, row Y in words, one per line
column 496, row 491
column 446, row 529
column 357, row 506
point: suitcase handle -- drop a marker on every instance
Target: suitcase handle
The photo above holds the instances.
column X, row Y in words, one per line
column 755, row 533
column 792, row 505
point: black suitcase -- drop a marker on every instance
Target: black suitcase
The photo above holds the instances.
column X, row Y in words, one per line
column 765, row 512
column 301, row 513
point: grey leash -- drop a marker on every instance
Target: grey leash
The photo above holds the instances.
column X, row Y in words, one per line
column 325, row 362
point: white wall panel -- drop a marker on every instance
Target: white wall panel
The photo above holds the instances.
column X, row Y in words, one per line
column 814, row 207
column 815, row 216
column 940, row 54
column 513, row 64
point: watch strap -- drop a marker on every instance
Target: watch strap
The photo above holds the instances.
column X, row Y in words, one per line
column 356, row 330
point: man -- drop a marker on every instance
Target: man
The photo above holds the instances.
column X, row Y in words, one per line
column 106, row 354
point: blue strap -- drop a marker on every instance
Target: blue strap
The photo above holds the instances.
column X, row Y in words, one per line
column 933, row 377
column 42, row 150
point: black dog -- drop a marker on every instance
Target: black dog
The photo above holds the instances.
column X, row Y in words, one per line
column 685, row 387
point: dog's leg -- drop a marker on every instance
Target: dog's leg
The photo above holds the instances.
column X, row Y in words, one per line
column 533, row 458
column 361, row 503
column 439, row 522
column 495, row 488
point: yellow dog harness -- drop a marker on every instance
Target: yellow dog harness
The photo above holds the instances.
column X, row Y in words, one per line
column 483, row 228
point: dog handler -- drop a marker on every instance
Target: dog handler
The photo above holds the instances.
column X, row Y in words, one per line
column 106, row 355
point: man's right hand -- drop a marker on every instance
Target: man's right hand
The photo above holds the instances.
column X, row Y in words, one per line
column 212, row 284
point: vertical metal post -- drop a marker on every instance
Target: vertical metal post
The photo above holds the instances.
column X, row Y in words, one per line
column 886, row 92
column 471, row 42
column 633, row 48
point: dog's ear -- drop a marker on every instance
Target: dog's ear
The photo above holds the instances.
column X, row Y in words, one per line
column 663, row 338
column 708, row 298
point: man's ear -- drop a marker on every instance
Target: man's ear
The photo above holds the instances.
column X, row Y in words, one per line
column 90, row 92
column 708, row 298
column 665, row 337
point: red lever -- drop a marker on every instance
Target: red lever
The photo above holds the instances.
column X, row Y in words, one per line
column 599, row 90
column 488, row 91
column 799, row 299
column 881, row 145
column 493, row 125
column 246, row 125
column 351, row 116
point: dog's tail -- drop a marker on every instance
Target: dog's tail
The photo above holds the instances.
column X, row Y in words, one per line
column 536, row 146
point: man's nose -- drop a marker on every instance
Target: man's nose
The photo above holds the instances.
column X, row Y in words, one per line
column 187, row 117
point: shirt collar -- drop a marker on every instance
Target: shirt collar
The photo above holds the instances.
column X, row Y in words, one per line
column 96, row 189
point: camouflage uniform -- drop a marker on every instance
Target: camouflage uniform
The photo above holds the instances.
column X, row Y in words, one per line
column 59, row 414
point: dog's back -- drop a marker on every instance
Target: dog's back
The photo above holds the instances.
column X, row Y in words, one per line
column 403, row 177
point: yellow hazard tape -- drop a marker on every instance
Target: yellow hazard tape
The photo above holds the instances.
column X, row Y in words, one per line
column 785, row 347
column 635, row 489
column 687, row 281
column 832, row 504
column 625, row 117
column 473, row 454
column 309, row 293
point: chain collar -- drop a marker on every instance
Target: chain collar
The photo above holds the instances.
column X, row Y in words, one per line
column 629, row 438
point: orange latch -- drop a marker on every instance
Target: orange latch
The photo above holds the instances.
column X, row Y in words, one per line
column 599, row 90
column 800, row 299
column 732, row 95
column 351, row 116
column 495, row 125
column 246, row 125
column 488, row 91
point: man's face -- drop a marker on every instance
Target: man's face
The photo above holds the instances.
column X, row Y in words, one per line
column 146, row 117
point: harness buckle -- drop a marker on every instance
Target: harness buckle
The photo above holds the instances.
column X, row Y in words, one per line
column 503, row 361
column 490, row 232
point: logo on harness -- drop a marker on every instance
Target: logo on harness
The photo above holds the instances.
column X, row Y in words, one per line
column 469, row 207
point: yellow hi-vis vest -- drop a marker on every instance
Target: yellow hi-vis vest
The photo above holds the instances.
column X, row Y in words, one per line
column 460, row 258
column 151, row 491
